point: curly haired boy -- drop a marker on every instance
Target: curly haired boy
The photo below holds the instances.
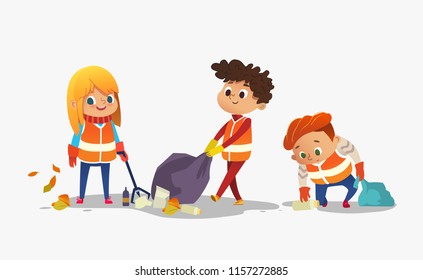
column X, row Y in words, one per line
column 245, row 89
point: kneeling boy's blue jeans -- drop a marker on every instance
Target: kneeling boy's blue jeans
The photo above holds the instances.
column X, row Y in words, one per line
column 347, row 182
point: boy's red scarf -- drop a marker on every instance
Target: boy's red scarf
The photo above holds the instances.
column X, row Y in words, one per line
column 97, row 119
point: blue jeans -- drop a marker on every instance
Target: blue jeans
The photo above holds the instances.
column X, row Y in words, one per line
column 347, row 182
column 85, row 169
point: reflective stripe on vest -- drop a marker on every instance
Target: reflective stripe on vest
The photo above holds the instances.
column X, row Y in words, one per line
column 333, row 170
column 97, row 143
column 240, row 150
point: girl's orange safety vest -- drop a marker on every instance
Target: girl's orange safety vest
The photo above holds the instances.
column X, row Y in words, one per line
column 333, row 170
column 97, row 143
column 240, row 150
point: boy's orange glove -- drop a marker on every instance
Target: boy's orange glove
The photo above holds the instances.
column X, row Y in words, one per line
column 359, row 170
column 73, row 154
column 304, row 194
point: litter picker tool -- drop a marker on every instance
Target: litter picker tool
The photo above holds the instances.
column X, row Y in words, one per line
column 136, row 188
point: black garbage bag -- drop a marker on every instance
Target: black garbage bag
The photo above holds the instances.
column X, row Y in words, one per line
column 184, row 176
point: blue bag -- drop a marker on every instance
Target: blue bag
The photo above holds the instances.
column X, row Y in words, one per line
column 374, row 194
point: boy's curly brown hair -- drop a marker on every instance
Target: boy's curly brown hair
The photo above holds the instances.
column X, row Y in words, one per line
column 260, row 84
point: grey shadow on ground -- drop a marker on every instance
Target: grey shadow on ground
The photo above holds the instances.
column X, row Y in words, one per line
column 336, row 207
column 209, row 209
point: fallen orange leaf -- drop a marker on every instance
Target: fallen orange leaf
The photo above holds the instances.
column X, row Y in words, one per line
column 64, row 198
column 32, row 174
column 56, row 169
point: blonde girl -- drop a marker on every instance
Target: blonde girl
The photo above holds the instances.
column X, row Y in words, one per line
column 94, row 112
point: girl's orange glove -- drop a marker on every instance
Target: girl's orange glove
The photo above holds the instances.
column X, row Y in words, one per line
column 73, row 154
column 121, row 149
column 304, row 194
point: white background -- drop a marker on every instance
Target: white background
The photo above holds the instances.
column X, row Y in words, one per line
column 359, row 60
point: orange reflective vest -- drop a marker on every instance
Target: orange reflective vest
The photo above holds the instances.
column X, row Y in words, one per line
column 333, row 170
column 97, row 143
column 240, row 150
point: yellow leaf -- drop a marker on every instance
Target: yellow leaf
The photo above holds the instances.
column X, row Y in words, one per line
column 59, row 205
column 56, row 169
column 170, row 210
column 32, row 174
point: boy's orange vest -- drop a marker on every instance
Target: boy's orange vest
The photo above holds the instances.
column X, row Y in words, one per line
column 97, row 143
column 333, row 170
column 240, row 150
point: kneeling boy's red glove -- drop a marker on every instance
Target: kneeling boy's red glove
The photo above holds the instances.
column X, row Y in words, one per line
column 304, row 194
column 359, row 170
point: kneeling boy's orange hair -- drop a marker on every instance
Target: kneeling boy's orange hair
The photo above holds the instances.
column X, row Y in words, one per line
column 301, row 126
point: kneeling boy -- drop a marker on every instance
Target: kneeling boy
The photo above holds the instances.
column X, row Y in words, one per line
column 323, row 157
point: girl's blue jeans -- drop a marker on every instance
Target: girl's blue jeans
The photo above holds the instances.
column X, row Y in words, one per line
column 85, row 169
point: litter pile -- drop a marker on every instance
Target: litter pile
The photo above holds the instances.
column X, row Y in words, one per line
column 178, row 183
column 169, row 206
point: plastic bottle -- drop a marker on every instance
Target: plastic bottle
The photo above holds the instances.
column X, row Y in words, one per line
column 125, row 197
column 309, row 205
column 190, row 209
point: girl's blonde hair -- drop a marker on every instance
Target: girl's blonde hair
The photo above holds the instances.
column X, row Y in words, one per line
column 81, row 84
